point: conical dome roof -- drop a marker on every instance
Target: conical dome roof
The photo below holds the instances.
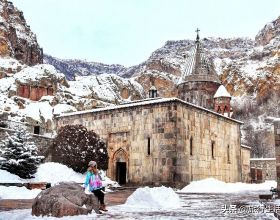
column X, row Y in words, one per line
column 198, row 67
column 222, row 92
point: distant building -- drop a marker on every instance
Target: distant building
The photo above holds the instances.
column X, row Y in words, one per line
column 263, row 169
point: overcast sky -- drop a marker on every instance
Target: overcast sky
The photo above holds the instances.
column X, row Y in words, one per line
column 128, row 31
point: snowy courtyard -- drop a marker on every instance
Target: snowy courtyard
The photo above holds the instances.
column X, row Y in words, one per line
column 208, row 198
column 193, row 206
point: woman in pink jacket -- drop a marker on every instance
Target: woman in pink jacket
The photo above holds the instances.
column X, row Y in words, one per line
column 93, row 180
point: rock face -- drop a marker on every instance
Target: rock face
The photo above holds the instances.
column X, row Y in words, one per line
column 65, row 199
column 73, row 68
column 38, row 81
column 16, row 39
column 270, row 31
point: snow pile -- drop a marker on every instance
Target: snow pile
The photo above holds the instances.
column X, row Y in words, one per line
column 106, row 181
column 14, row 192
column 55, row 172
column 153, row 198
column 7, row 177
column 211, row 185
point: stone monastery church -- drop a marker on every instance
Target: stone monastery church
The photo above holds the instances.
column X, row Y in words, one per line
column 176, row 140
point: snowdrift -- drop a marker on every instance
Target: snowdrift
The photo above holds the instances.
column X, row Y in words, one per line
column 211, row 185
column 153, row 198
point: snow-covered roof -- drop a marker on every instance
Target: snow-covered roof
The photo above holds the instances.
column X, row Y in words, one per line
column 222, row 92
column 256, row 159
column 147, row 102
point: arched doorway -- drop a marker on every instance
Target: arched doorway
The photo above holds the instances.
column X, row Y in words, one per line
column 120, row 166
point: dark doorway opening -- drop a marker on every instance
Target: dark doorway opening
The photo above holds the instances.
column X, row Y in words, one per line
column 36, row 129
column 121, row 173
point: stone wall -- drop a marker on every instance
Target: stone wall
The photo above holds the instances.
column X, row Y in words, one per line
column 40, row 141
column 199, row 93
column 267, row 165
column 245, row 158
column 206, row 132
column 167, row 128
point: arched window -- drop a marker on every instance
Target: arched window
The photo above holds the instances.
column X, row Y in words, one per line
column 228, row 154
column 213, row 149
column 149, row 146
column 191, row 146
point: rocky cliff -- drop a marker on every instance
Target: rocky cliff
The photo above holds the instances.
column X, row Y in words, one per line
column 73, row 68
column 16, row 39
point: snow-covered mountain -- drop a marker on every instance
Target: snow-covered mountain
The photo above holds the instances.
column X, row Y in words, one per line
column 73, row 68
column 249, row 68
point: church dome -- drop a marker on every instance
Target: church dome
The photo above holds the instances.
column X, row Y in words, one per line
column 199, row 82
column 198, row 67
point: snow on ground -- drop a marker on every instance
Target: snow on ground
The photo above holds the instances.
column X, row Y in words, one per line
column 48, row 172
column 25, row 214
column 211, row 185
column 153, row 198
column 14, row 192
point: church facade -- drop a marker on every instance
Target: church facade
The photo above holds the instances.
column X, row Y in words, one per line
column 172, row 141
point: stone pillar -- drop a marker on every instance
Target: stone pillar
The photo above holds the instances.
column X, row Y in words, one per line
column 20, row 90
column 277, row 152
column 50, row 91
column 26, row 91
column 33, row 93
